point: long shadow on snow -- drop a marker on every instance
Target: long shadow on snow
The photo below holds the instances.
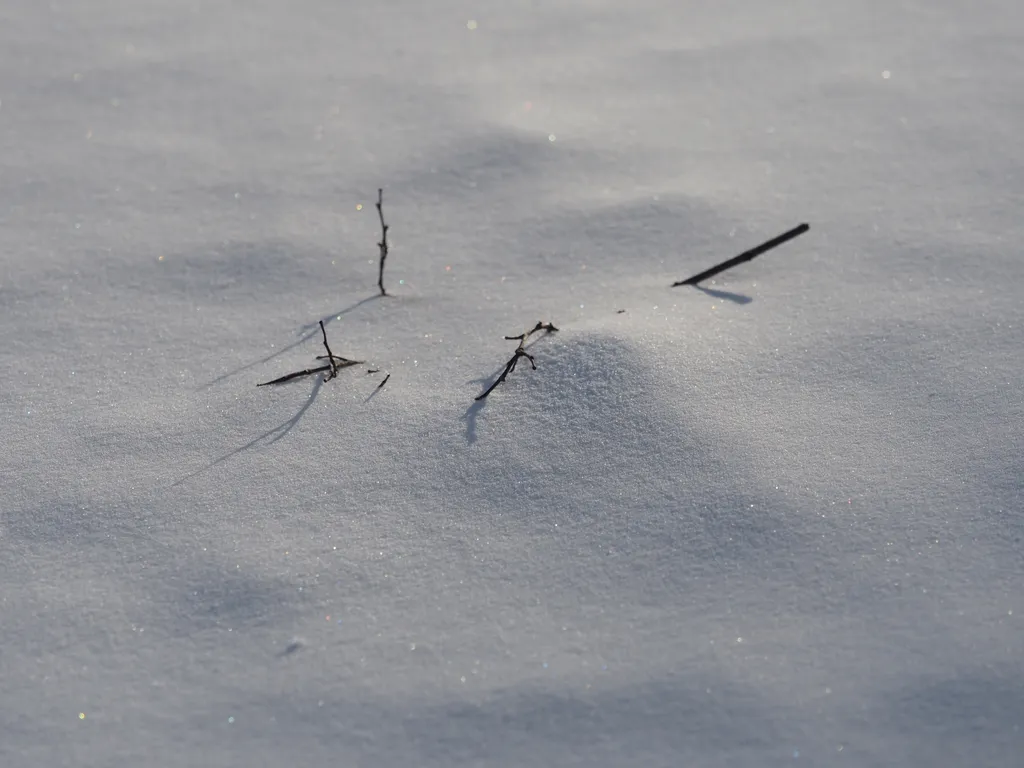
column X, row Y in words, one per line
column 309, row 329
column 281, row 429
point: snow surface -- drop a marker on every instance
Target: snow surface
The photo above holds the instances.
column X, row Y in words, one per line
column 774, row 522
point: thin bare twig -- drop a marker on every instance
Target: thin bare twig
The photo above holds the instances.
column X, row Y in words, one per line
column 295, row 375
column 753, row 253
column 381, row 385
column 383, row 244
column 334, row 364
column 330, row 355
column 509, row 367
column 540, row 326
column 518, row 354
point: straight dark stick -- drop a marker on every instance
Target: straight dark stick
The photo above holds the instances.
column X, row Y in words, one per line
column 381, row 385
column 383, row 244
column 753, row 253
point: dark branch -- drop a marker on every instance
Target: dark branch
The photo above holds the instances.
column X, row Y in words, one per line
column 330, row 355
column 383, row 244
column 753, row 253
column 509, row 367
column 335, row 364
column 295, row 375
column 381, row 385
column 540, row 326
column 519, row 354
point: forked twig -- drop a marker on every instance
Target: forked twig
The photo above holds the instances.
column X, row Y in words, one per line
column 518, row 354
column 334, row 364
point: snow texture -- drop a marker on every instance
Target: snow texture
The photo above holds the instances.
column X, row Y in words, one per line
column 773, row 521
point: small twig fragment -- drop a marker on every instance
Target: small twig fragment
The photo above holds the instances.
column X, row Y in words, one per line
column 381, row 385
column 753, row 253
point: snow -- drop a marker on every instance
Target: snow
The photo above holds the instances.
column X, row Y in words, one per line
column 775, row 521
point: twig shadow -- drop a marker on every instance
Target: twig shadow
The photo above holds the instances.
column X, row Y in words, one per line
column 737, row 298
column 289, row 649
column 308, row 330
column 470, row 418
column 281, row 430
column 373, row 394
column 313, row 327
